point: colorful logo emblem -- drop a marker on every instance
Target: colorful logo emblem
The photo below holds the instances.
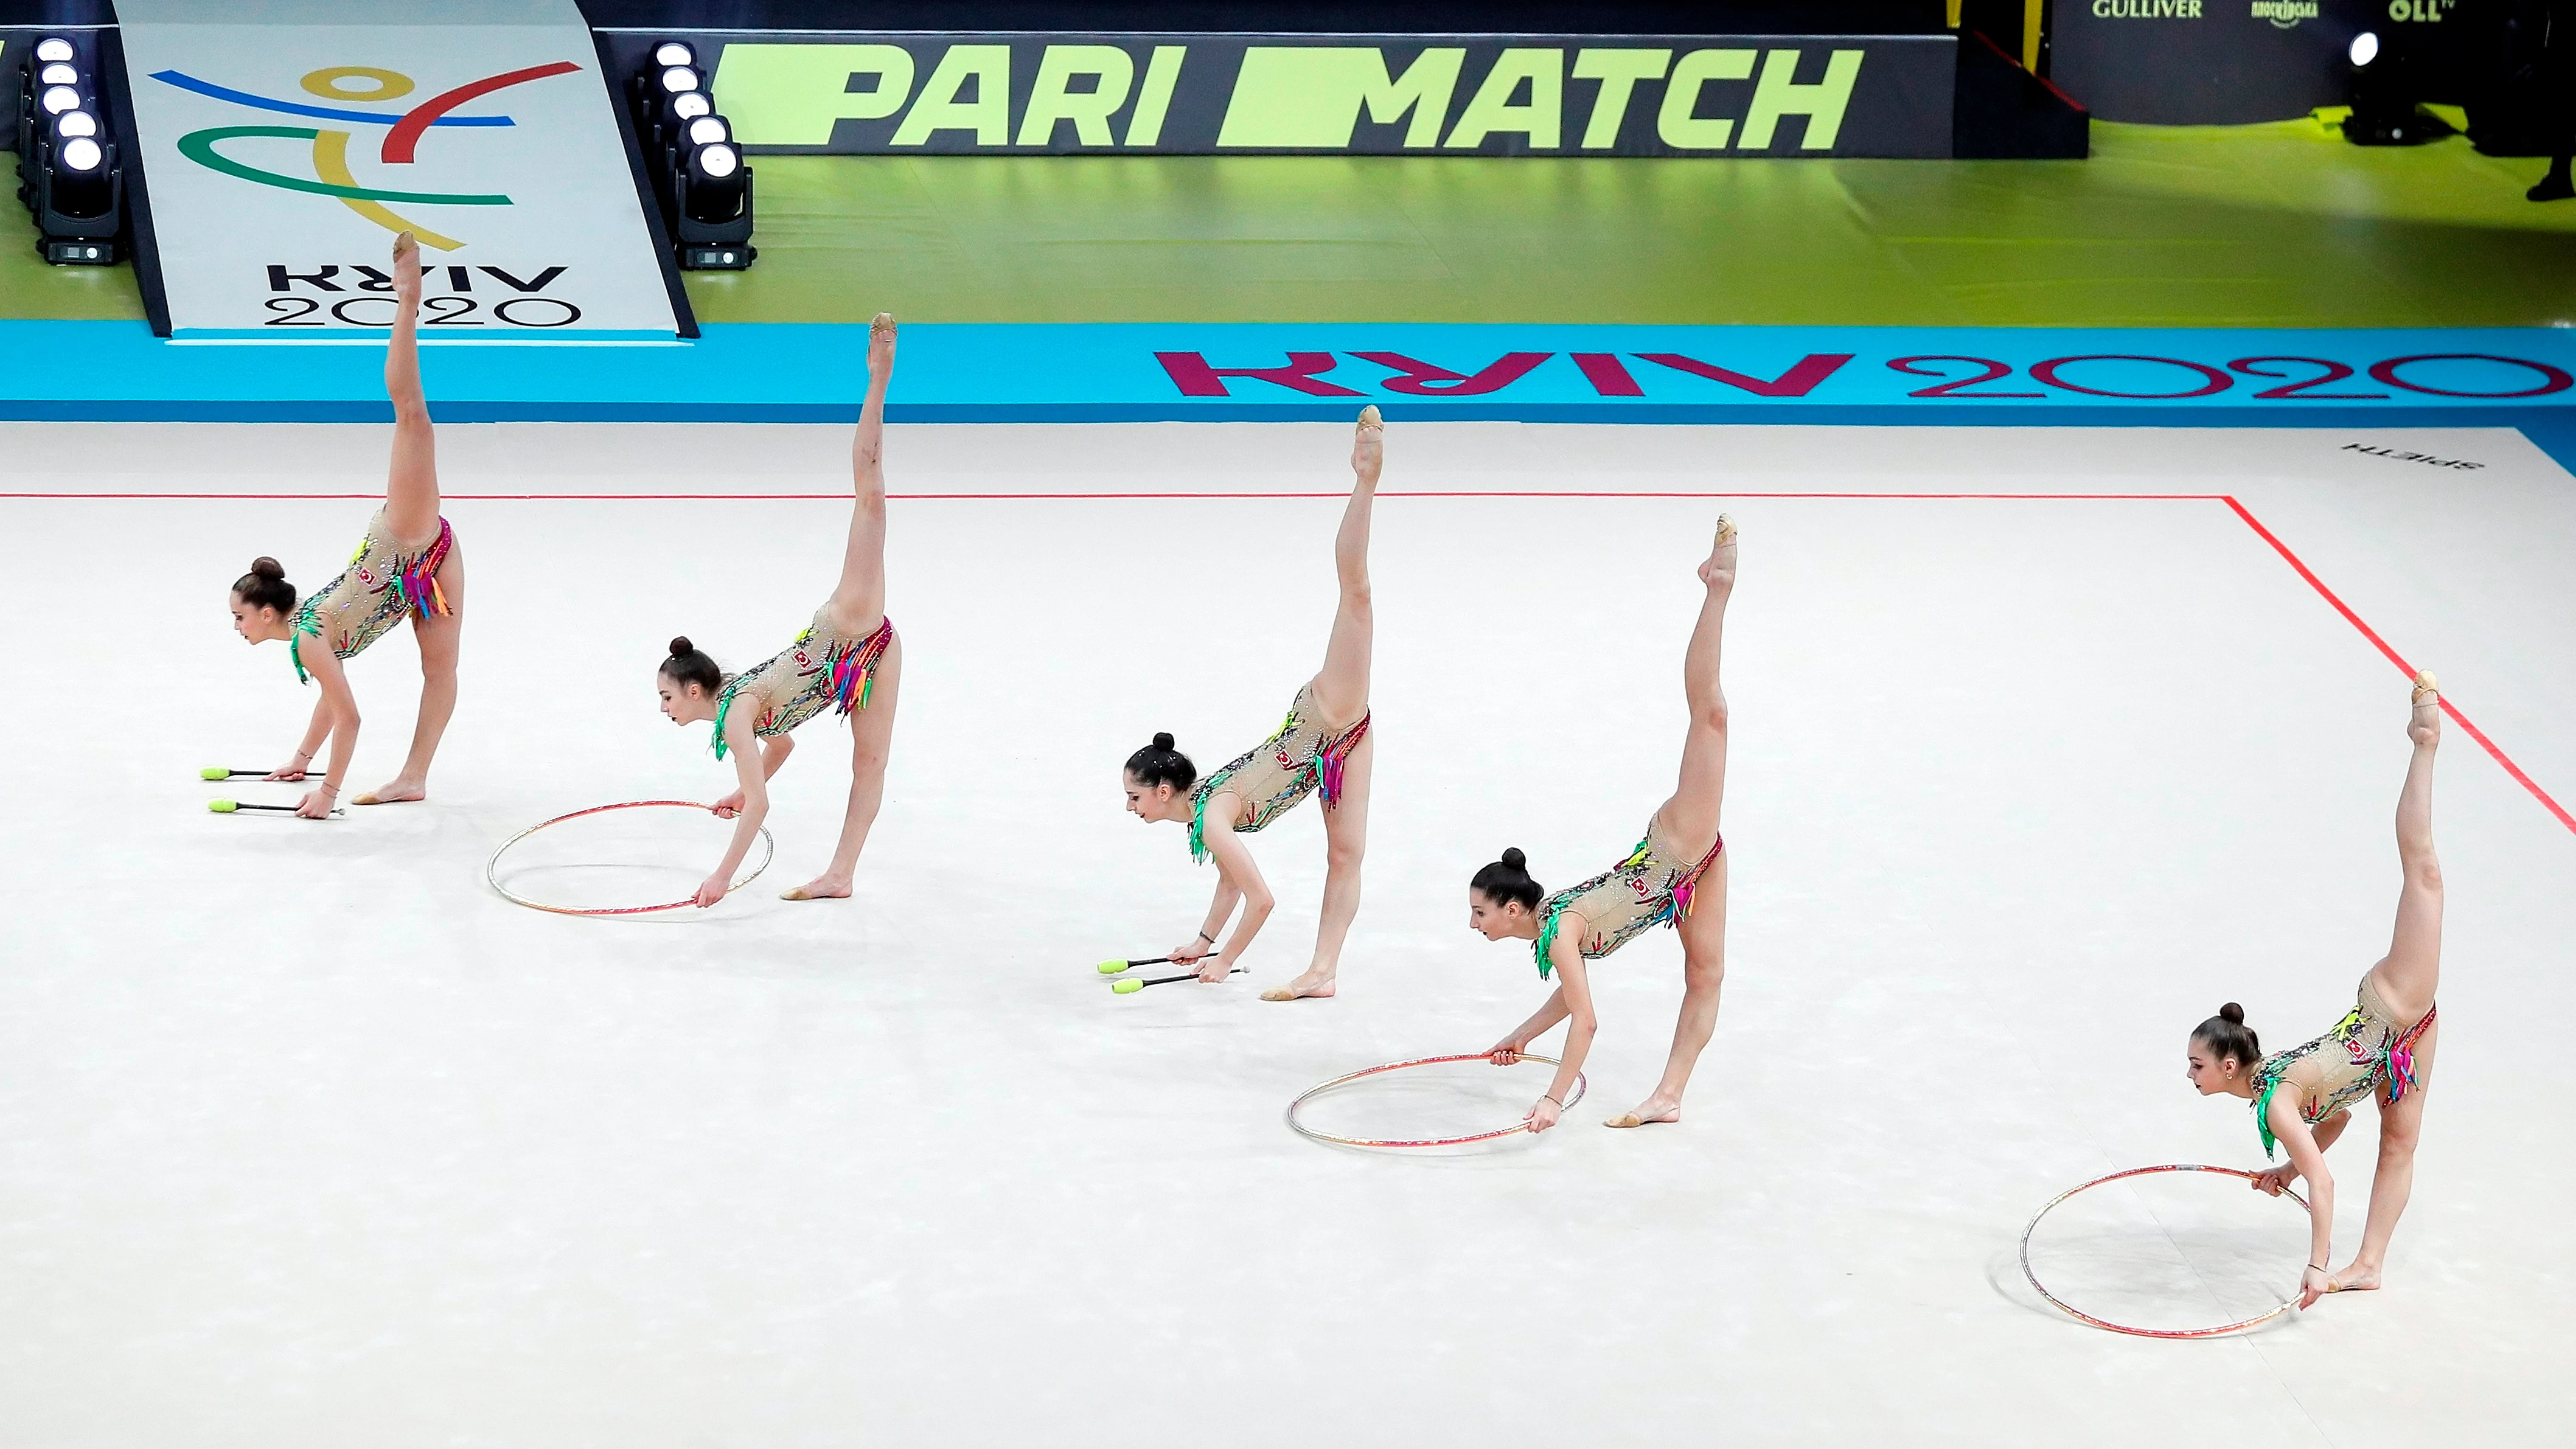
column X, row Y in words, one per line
column 331, row 174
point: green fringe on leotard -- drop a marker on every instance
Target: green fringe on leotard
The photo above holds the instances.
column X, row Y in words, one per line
column 304, row 627
column 1546, row 941
column 1198, row 822
column 724, row 706
column 2269, row 1082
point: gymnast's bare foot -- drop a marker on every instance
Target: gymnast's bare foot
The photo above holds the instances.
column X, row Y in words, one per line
column 395, row 791
column 1368, row 444
column 1719, row 572
column 820, row 888
column 2356, row 1277
column 1657, row 1108
column 2425, row 729
column 1313, row 984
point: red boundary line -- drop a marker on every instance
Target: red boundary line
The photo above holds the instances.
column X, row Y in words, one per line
column 2241, row 511
column 2382, row 645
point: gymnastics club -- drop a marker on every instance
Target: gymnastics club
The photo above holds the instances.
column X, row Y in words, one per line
column 1112, row 968
column 1132, row 985
column 227, row 807
column 218, row 772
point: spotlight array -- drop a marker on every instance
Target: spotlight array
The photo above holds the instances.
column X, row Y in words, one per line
column 699, row 176
column 68, row 173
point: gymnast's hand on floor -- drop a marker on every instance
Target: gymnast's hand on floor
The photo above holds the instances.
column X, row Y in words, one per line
column 316, row 804
column 1190, row 954
column 1543, row 1114
column 2313, row 1285
column 1214, row 969
column 711, row 891
column 728, row 807
column 2274, row 1179
column 292, row 770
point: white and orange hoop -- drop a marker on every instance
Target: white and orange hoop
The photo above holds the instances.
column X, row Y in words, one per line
column 1345, row 1080
column 2223, row 1329
column 492, row 867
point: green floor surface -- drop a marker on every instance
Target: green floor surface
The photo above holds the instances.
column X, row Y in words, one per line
column 2264, row 226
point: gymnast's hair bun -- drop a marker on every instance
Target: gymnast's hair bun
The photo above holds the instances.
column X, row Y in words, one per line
column 264, row 567
column 1160, row 764
column 1507, row 881
column 680, row 646
column 2232, row 1013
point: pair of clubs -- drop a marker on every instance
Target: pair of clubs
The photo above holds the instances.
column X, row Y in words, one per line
column 1133, row 984
column 229, row 807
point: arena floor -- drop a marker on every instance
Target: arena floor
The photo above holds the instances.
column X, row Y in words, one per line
column 307, row 1137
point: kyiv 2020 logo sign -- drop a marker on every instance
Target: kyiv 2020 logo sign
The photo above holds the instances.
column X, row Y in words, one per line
column 331, row 175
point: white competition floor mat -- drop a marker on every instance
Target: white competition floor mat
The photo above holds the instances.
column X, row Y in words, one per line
column 308, row 1138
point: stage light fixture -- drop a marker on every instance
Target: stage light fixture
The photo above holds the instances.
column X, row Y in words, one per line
column 715, row 183
column 706, row 130
column 2384, row 95
column 678, row 78
column 60, row 99
column 76, row 190
column 53, row 48
column 674, row 52
column 58, row 73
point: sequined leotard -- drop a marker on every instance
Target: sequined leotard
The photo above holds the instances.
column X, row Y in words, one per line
column 1653, row 886
column 823, row 667
column 1303, row 758
column 2367, row 1053
column 384, row 584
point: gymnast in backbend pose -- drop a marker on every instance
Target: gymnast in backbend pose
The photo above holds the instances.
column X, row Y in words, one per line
column 408, row 566
column 2382, row 1049
column 1676, row 876
column 848, row 658
column 1323, row 748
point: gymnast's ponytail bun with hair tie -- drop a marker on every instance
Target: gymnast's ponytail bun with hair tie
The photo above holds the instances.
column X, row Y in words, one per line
column 1507, row 881
column 265, row 586
column 2226, row 1035
column 1160, row 764
column 689, row 664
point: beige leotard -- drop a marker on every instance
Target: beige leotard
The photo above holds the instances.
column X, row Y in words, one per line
column 823, row 667
column 385, row 583
column 1305, row 756
column 2369, row 1051
column 1652, row 886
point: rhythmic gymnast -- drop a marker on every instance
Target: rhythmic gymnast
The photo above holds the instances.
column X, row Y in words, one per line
column 1322, row 748
column 2382, row 1049
column 848, row 658
column 408, row 565
column 1676, row 876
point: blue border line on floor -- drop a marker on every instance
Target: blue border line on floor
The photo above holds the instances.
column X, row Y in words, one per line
column 1236, row 372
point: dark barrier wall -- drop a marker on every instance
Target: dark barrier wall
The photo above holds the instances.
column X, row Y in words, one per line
column 1363, row 94
column 2213, row 62
column 1281, row 17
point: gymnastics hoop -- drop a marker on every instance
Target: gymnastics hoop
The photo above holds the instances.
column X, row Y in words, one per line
column 2237, row 1327
column 492, row 867
column 1343, row 1081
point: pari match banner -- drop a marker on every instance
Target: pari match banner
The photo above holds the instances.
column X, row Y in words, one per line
column 283, row 158
column 1452, row 95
